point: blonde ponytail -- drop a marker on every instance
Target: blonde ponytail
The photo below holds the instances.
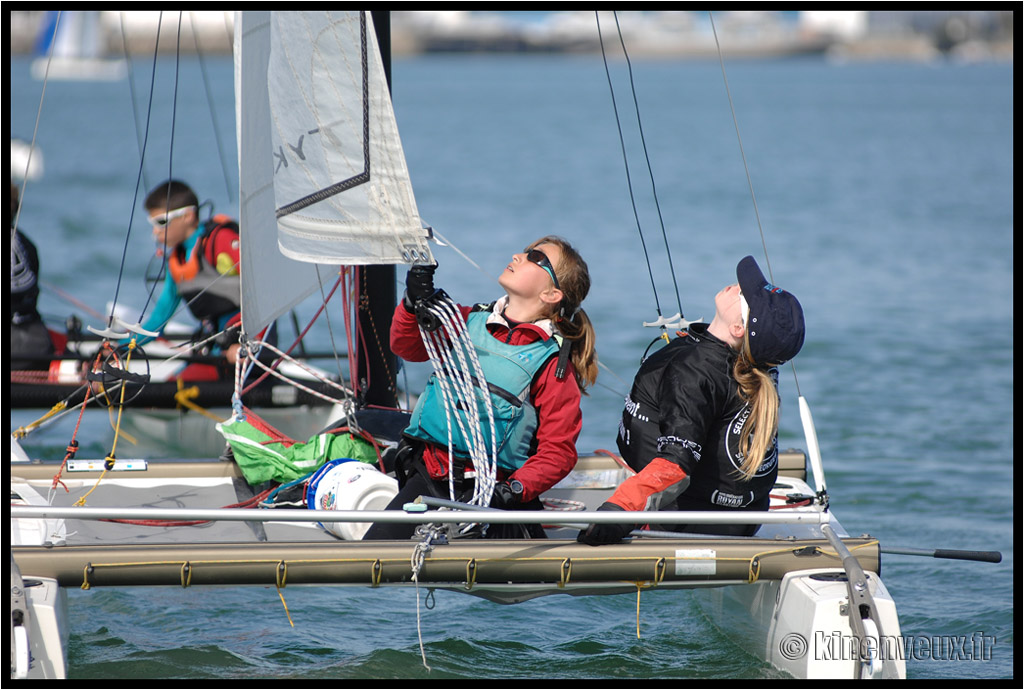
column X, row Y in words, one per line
column 757, row 388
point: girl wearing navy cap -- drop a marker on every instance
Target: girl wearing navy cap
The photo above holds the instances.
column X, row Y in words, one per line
column 700, row 424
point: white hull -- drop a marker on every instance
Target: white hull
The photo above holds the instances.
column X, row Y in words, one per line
column 39, row 609
column 800, row 624
column 39, row 643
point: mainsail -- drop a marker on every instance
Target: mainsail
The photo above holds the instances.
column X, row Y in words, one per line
column 322, row 172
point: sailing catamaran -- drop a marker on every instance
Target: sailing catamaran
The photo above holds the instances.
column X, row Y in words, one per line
column 332, row 189
column 171, row 393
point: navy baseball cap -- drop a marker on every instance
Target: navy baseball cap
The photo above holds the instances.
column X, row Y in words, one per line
column 775, row 325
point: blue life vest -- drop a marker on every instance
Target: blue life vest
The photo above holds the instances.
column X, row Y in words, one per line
column 509, row 371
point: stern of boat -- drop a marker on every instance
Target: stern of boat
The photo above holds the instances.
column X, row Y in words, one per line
column 811, row 637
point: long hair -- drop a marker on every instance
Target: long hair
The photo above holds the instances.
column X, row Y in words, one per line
column 572, row 322
column 757, row 388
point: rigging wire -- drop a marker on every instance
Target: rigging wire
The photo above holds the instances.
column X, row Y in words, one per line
column 746, row 169
column 138, row 179
column 209, row 102
column 170, row 152
column 330, row 328
column 629, row 180
column 143, row 144
column 35, row 131
column 131, row 93
column 650, row 171
column 743, row 154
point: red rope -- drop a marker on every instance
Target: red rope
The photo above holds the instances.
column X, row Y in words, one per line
column 616, row 458
column 25, row 376
column 299, row 338
column 72, row 447
column 350, row 296
column 261, row 424
column 248, row 503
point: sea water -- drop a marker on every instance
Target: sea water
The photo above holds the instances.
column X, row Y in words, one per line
column 884, row 198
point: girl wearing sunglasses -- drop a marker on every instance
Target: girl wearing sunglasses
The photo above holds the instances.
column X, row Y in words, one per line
column 543, row 342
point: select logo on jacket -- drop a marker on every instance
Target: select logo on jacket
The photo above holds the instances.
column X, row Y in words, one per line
column 732, row 445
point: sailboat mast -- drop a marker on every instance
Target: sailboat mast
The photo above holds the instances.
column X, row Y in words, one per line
column 378, row 369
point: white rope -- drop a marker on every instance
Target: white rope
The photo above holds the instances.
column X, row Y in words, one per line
column 240, row 378
column 416, row 562
column 460, row 379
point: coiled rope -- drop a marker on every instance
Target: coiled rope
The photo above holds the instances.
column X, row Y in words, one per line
column 462, row 383
column 463, row 387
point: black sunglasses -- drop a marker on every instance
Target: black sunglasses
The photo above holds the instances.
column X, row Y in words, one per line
column 541, row 259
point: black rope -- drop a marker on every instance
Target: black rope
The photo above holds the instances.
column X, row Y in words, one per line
column 650, row 171
column 170, row 156
column 629, row 181
column 142, row 161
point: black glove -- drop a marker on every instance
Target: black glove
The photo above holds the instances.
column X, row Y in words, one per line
column 507, row 495
column 227, row 337
column 598, row 534
column 419, row 285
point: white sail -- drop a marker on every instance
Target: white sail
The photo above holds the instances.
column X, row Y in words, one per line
column 262, row 265
column 340, row 178
column 319, row 152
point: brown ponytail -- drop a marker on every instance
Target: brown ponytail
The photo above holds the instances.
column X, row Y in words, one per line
column 572, row 322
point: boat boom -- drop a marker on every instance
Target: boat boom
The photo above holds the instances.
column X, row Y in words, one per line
column 394, row 516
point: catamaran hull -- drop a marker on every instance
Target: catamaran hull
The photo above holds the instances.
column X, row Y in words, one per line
column 800, row 624
column 39, row 631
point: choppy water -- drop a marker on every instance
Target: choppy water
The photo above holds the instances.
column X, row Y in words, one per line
column 886, row 195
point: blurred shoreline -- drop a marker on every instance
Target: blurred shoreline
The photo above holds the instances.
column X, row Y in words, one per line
column 841, row 36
